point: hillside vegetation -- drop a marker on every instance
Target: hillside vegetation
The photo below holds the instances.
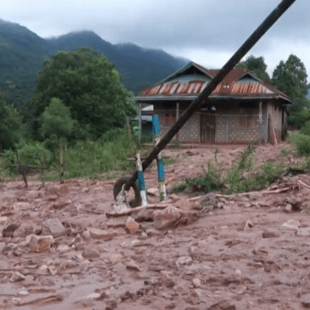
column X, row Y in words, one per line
column 22, row 54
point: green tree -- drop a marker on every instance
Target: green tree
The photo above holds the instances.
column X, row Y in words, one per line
column 56, row 120
column 291, row 78
column 89, row 85
column 57, row 124
column 257, row 66
column 11, row 127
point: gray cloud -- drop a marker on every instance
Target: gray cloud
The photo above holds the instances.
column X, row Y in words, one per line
column 211, row 25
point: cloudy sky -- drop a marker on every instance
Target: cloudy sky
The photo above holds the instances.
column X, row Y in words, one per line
column 205, row 31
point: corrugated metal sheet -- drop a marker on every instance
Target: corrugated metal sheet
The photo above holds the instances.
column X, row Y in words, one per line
column 232, row 85
column 196, row 87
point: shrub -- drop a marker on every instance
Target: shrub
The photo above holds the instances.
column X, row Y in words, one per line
column 302, row 143
column 89, row 158
column 112, row 135
column 29, row 153
column 305, row 130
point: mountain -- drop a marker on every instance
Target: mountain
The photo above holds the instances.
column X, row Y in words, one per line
column 22, row 53
column 139, row 67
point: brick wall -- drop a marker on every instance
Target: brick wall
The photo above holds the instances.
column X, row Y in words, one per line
column 190, row 132
column 237, row 128
column 232, row 123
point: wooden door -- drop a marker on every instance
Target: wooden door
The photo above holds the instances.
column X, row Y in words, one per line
column 207, row 128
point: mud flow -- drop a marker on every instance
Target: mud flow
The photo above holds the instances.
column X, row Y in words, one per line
column 214, row 252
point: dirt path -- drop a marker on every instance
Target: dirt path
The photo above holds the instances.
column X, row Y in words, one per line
column 237, row 256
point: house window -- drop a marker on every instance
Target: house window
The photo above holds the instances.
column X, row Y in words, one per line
column 169, row 119
column 247, row 121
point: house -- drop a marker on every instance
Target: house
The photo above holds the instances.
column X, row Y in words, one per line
column 241, row 109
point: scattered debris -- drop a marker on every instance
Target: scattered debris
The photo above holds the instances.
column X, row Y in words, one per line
column 17, row 276
column 132, row 226
column 270, row 234
column 92, row 262
column 90, row 253
column 132, row 265
column 8, row 231
column 40, row 244
column 97, row 233
column 53, row 226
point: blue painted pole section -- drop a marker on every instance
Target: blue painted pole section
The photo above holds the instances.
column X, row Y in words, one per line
column 160, row 162
column 141, row 181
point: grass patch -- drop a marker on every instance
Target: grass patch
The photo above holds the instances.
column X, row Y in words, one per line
column 94, row 160
column 240, row 178
column 302, row 143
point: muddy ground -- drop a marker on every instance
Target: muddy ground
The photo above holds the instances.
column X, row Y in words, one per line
column 59, row 250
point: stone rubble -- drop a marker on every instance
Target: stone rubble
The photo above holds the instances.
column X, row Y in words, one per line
column 249, row 251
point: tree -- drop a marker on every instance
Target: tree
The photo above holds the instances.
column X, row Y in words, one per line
column 56, row 120
column 291, row 78
column 257, row 66
column 11, row 127
column 88, row 84
column 58, row 125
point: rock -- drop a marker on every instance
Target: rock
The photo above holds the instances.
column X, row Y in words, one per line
column 270, row 234
column 291, row 225
column 132, row 226
column 52, row 191
column 115, row 258
column 196, row 282
column 63, row 248
column 18, row 252
column 97, row 233
column 153, row 232
column 21, row 206
column 33, row 195
column 61, row 203
column 86, row 235
column 156, row 268
column 174, row 198
column 223, row 305
column 184, row 260
column 8, row 231
column 2, row 246
column 208, row 201
column 132, row 265
column 23, row 292
column 288, row 208
column 63, row 190
column 90, row 253
column 153, row 192
column 77, row 240
column 143, row 236
column 304, row 231
column 17, row 276
column 145, row 215
column 23, row 230
column 3, row 219
column 198, row 293
column 254, row 196
column 306, row 303
column 166, row 218
column 295, row 202
column 40, row 244
column 167, row 280
column 248, row 225
column 53, row 226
